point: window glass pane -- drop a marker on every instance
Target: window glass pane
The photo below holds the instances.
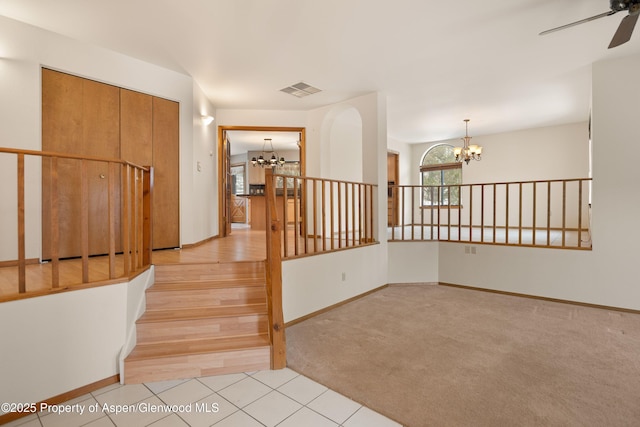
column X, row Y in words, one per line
column 237, row 179
column 439, row 154
column 449, row 175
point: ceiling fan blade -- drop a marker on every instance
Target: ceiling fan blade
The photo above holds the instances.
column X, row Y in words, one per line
column 624, row 31
column 582, row 21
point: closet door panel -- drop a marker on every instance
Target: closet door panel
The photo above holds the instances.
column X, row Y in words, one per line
column 62, row 133
column 101, row 137
column 166, row 158
column 136, row 127
column 81, row 117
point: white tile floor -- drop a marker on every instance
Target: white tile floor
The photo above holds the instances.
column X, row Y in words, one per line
column 266, row 398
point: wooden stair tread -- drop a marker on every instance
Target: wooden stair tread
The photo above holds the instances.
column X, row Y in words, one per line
column 202, row 312
column 206, row 284
column 200, row 346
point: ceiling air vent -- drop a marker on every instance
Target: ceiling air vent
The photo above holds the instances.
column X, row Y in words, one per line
column 300, row 89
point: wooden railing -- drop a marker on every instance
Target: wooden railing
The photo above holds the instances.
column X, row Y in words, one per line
column 307, row 216
column 551, row 213
column 127, row 231
column 321, row 215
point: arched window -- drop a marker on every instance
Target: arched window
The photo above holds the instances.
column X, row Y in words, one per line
column 440, row 171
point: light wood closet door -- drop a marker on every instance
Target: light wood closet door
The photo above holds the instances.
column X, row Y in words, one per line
column 166, row 163
column 84, row 117
column 136, row 127
column 79, row 116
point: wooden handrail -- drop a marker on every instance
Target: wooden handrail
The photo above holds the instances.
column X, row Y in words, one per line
column 136, row 229
column 52, row 154
column 514, row 207
column 328, row 214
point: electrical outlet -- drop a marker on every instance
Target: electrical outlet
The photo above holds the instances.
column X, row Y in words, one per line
column 473, row 250
column 344, row 276
column 467, row 249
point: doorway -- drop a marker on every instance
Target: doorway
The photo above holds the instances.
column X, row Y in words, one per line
column 237, row 145
column 393, row 178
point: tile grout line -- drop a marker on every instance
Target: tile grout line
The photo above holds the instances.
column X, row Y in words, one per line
column 235, row 408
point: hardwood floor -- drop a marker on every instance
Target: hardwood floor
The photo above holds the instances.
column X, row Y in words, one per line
column 242, row 245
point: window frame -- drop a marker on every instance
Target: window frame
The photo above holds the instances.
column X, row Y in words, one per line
column 245, row 186
column 442, row 167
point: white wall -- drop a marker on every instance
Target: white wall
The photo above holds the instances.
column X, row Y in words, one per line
column 616, row 204
column 413, row 262
column 273, row 118
column 204, row 219
column 345, row 147
column 57, row 343
column 554, row 152
column 312, row 283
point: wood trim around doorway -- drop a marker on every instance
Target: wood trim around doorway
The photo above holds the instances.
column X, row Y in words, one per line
column 221, row 173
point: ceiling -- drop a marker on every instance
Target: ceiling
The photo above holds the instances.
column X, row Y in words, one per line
column 438, row 62
column 242, row 141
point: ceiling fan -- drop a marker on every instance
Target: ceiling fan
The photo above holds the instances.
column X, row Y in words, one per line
column 625, row 29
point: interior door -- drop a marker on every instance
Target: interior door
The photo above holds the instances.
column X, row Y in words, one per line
column 392, row 179
column 227, row 185
column 166, row 181
column 238, row 187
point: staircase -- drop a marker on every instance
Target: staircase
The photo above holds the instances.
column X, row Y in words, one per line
column 202, row 319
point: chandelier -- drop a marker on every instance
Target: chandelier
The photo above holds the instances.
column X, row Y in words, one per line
column 262, row 161
column 467, row 152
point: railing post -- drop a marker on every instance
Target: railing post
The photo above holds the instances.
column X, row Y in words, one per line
column 84, row 218
column 147, row 215
column 55, row 225
column 112, row 219
column 274, row 276
column 126, row 219
column 22, row 269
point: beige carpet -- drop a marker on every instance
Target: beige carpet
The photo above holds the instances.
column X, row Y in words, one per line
column 428, row 355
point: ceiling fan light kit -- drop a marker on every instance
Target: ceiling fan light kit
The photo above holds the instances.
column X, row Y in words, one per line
column 626, row 27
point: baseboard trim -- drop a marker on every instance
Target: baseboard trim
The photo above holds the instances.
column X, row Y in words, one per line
column 61, row 398
column 14, row 263
column 331, row 307
column 563, row 301
column 413, row 284
column 201, row 242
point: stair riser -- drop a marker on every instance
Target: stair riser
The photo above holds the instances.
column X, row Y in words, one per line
column 197, row 365
column 204, row 297
column 223, row 271
column 179, row 330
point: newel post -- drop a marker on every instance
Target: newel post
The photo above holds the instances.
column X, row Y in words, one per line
column 274, row 276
